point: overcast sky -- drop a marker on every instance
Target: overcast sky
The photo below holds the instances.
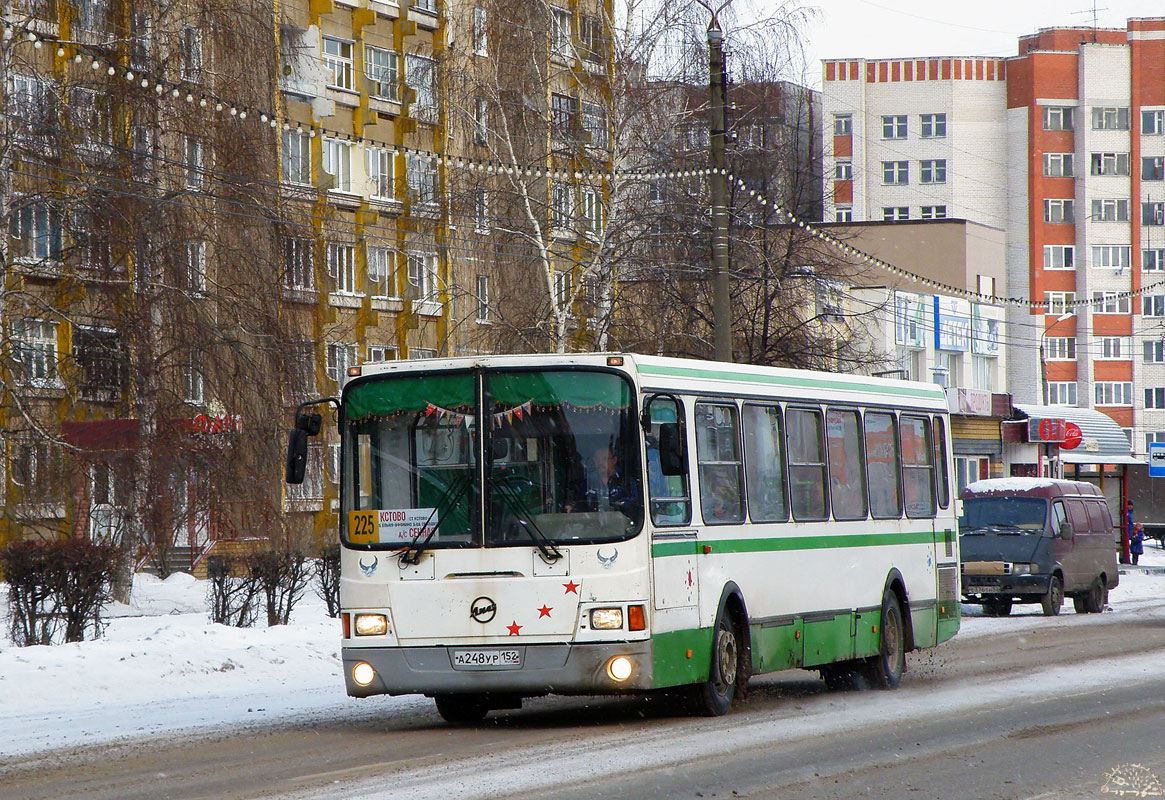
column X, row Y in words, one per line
column 915, row 28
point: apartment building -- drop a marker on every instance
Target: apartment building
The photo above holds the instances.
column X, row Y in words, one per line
column 1061, row 146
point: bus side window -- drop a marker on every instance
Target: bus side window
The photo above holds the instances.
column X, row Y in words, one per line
column 940, row 462
column 807, row 479
column 847, row 478
column 669, row 499
column 718, row 456
column 883, row 465
column 917, row 466
column 764, row 463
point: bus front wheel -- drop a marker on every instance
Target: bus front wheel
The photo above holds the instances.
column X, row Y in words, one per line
column 461, row 708
column 713, row 698
column 885, row 669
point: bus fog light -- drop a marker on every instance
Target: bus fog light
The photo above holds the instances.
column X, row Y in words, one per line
column 620, row 668
column 606, row 618
column 371, row 624
column 363, row 673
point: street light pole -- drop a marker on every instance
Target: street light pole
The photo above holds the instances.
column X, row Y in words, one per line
column 718, row 186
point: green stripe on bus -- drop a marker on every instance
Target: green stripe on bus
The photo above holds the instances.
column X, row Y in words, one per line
column 823, row 542
column 781, row 380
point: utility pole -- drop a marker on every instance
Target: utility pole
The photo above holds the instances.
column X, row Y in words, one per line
column 718, row 185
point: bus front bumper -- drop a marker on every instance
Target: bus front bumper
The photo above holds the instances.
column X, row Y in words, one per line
column 542, row 669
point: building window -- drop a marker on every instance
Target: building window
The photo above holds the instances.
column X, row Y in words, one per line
column 296, row 158
column 342, row 267
column 423, row 275
column 340, row 357
column 1110, row 119
column 480, row 120
column 338, row 163
column 1059, row 303
column 1153, row 122
column 1059, row 211
column 843, row 171
column 1152, row 168
column 1062, row 393
column 338, row 59
column 193, row 383
column 35, row 349
column 482, row 298
column 1110, row 163
column 1153, row 213
column 1112, row 256
column 843, row 214
column 934, row 126
column 480, row 31
column 192, row 162
column 379, row 167
column 563, row 288
column 1153, row 259
column 1114, row 348
column 1058, row 118
column 1059, row 256
column 423, row 177
column 381, row 67
column 102, row 361
column 1154, row 352
column 895, row 173
column 563, row 116
column 594, row 123
column 934, row 170
column 421, row 76
column 481, row 210
column 1112, row 393
column 298, row 272
column 983, row 373
column 894, row 127
column 934, row 212
column 380, row 353
column 1060, row 348
column 1110, row 210
column 591, row 38
column 380, row 271
column 561, row 207
column 592, row 212
column 191, row 53
column 1110, row 303
column 843, row 125
column 560, row 33
column 895, row 213
column 34, row 102
column 1058, row 165
column 36, row 230
column 1153, row 305
column 196, row 266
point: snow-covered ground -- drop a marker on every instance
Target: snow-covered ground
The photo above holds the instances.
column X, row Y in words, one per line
column 162, row 668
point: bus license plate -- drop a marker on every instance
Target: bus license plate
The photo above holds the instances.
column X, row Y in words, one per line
column 487, row 659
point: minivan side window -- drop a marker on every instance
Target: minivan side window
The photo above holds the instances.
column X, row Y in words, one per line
column 1077, row 515
column 1059, row 517
column 1099, row 516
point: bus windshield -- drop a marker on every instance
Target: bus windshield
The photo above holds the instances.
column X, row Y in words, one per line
column 1007, row 514
column 560, row 454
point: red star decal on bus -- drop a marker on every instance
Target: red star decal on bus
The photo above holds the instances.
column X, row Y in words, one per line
column 570, row 587
column 513, row 628
column 544, row 611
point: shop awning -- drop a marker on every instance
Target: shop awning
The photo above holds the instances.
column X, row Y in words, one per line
column 1101, row 440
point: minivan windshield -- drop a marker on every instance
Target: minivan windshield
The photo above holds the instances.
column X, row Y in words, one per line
column 1017, row 515
column 561, row 456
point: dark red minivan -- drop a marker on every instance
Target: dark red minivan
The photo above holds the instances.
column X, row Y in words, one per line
column 1036, row 540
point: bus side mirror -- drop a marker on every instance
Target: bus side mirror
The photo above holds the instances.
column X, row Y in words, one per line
column 305, row 425
column 671, row 450
column 1066, row 532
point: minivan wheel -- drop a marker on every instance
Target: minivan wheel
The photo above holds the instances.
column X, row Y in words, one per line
column 1097, row 596
column 997, row 606
column 1054, row 598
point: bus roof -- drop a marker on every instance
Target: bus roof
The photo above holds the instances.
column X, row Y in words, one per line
column 688, row 376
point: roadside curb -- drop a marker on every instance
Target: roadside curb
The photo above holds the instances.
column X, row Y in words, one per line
column 1141, row 569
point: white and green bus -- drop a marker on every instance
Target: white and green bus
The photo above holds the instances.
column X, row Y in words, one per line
column 514, row 526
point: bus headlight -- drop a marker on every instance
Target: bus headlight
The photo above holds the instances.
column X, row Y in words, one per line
column 371, row 624
column 606, row 619
column 363, row 673
column 620, row 668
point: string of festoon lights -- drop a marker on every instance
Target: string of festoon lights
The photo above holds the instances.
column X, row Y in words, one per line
column 930, row 283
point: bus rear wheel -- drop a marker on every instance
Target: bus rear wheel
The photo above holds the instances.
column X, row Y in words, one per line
column 461, row 708
column 885, row 670
column 713, row 698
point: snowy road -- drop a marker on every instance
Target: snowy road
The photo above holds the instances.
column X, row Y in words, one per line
column 1021, row 707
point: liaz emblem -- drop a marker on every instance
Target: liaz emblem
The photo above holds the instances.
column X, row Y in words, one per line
column 483, row 609
column 368, row 569
column 607, row 561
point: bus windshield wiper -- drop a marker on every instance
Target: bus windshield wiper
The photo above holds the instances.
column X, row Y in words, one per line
column 526, row 522
column 412, row 553
column 1004, row 528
